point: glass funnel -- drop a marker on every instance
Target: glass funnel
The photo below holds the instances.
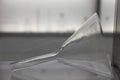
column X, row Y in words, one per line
column 87, row 52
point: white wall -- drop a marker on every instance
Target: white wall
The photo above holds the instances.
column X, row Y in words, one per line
column 44, row 15
column 108, row 14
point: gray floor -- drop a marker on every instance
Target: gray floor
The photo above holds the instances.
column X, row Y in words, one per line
column 18, row 48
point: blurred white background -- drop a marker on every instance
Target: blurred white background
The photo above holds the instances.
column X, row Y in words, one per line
column 44, row 15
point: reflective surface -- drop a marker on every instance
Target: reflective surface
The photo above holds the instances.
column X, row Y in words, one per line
column 55, row 70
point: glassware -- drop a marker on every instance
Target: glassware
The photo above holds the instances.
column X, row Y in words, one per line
column 90, row 27
column 55, row 70
column 86, row 51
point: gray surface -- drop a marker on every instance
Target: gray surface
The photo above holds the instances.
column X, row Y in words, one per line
column 91, row 48
column 117, row 26
column 55, row 70
column 18, row 48
column 116, row 50
column 86, row 47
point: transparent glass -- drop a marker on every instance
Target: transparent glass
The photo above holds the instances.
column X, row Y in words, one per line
column 55, row 70
column 89, row 28
column 85, row 55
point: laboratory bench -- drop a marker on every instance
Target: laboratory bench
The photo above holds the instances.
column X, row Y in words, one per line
column 20, row 46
